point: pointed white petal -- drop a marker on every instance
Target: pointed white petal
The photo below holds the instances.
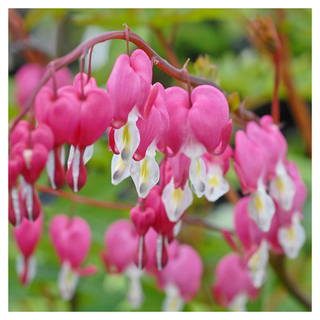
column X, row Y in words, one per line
column 282, row 188
column 257, row 265
column 50, row 169
column 176, row 201
column 29, row 200
column 135, row 295
column 216, row 184
column 31, row 267
column 119, row 171
column 63, row 156
column 127, row 138
column 261, row 208
column 293, row 238
column 173, row 300
column 145, row 174
column 16, row 205
column 159, row 251
column 177, row 228
column 88, row 152
column 239, row 303
column 67, row 281
column 197, row 175
column 70, row 157
column 76, row 169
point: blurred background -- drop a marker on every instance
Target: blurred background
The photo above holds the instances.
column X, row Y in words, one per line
column 219, row 48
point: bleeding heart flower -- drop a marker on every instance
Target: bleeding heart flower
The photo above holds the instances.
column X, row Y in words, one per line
column 233, row 287
column 27, row 236
column 71, row 239
column 121, row 241
column 129, row 85
column 181, row 277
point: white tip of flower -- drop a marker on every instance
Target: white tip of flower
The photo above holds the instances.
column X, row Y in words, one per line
column 29, row 200
column 127, row 138
column 70, row 157
column 145, row 174
column 31, row 267
column 257, row 265
column 76, row 169
column 216, row 184
column 197, row 175
column 135, row 295
column 16, row 205
column 177, row 228
column 176, row 201
column 27, row 156
column 63, row 155
column 88, row 152
column 173, row 300
column 50, row 169
column 261, row 208
column 119, row 171
column 67, row 281
column 239, row 303
column 293, row 238
column 282, row 188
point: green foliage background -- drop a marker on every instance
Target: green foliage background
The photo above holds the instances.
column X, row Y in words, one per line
column 221, row 34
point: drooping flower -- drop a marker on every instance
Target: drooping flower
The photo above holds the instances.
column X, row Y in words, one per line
column 27, row 236
column 250, row 166
column 233, row 287
column 28, row 77
column 71, row 239
column 30, row 150
column 181, row 277
column 121, row 240
column 254, row 241
column 129, row 85
column 95, row 115
column 135, row 144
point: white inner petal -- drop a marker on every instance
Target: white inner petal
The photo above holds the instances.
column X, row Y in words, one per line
column 176, row 201
column 29, row 200
column 293, row 238
column 257, row 265
column 16, row 205
column 197, row 175
column 63, row 156
column 145, row 173
column 193, row 149
column 31, row 267
column 67, row 281
column 177, row 228
column 76, row 169
column 173, row 300
column 282, row 188
column 51, row 168
column 127, row 138
column 119, row 171
column 239, row 303
column 135, row 295
column 71, row 155
column 216, row 184
column 88, row 152
column 261, row 208
column 159, row 251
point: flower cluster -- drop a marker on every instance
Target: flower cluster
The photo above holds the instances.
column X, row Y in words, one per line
column 262, row 221
column 191, row 129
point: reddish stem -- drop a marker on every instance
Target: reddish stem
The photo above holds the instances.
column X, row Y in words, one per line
column 275, row 111
column 85, row 200
column 89, row 64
